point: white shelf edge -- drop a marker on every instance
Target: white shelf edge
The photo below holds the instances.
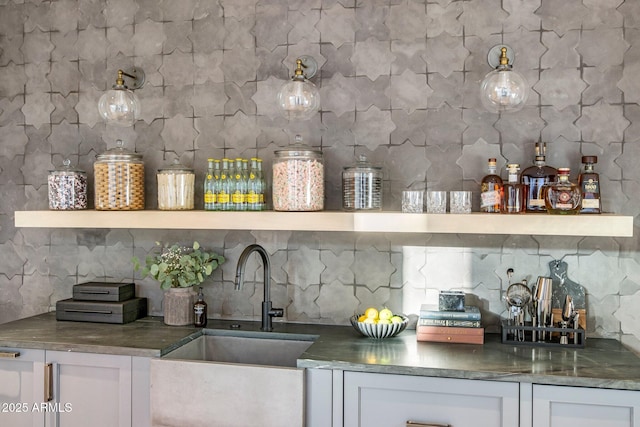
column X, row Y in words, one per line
column 480, row 223
column 192, row 220
column 384, row 222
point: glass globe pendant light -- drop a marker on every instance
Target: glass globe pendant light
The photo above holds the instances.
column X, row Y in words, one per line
column 503, row 89
column 120, row 106
column 299, row 99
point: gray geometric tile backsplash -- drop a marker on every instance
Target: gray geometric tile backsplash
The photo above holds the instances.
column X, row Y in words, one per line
column 399, row 82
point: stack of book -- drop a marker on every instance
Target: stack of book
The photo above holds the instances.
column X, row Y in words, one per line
column 455, row 326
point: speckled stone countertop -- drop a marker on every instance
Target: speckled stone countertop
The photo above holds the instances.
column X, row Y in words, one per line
column 146, row 337
column 602, row 363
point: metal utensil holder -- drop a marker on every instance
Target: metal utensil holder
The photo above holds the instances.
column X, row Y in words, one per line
column 510, row 334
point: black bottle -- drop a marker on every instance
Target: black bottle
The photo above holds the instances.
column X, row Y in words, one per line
column 200, row 311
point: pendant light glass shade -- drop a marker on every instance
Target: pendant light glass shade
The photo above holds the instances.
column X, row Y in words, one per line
column 119, row 106
column 298, row 99
column 504, row 90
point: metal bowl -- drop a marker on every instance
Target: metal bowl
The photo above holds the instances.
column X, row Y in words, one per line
column 378, row 330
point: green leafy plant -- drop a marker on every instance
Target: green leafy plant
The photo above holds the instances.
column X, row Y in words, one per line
column 179, row 266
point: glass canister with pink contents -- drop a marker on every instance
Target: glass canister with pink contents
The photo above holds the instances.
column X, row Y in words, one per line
column 298, row 179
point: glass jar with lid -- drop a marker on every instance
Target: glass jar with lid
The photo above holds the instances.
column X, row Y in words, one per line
column 175, row 187
column 362, row 186
column 67, row 188
column 298, row 179
column 119, row 179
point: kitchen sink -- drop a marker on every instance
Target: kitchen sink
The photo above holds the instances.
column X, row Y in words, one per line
column 231, row 378
column 254, row 348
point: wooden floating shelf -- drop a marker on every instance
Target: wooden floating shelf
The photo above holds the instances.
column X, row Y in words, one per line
column 381, row 222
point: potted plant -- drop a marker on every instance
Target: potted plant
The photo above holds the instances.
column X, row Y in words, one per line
column 177, row 269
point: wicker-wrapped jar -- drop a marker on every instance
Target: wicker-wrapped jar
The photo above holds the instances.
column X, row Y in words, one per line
column 119, row 180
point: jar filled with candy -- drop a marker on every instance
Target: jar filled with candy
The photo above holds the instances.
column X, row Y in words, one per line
column 67, row 188
column 298, row 179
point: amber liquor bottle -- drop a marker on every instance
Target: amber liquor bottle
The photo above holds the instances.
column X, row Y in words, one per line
column 535, row 178
column 491, row 190
column 563, row 197
column 589, row 183
column 200, row 311
column 515, row 194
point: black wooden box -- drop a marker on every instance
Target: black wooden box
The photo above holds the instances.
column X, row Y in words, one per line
column 101, row 311
column 104, row 291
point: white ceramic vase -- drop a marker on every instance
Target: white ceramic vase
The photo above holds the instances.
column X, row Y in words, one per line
column 178, row 306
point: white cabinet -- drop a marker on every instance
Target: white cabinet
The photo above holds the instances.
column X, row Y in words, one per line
column 560, row 406
column 94, row 387
column 68, row 389
column 21, row 386
column 392, row 400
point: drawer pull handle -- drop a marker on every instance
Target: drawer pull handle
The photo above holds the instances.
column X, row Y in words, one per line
column 10, row 354
column 421, row 424
column 79, row 310
column 48, row 382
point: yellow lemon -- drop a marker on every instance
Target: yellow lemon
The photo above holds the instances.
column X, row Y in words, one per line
column 371, row 313
column 385, row 314
column 384, row 322
column 362, row 318
column 396, row 319
column 369, row 320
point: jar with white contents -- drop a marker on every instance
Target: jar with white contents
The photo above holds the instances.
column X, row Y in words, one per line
column 175, row 187
column 298, row 179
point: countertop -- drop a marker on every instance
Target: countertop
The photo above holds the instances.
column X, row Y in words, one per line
column 147, row 337
column 603, row 363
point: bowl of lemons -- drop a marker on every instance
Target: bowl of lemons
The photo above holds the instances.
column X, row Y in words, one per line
column 374, row 323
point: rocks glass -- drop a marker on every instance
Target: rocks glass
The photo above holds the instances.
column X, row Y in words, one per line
column 460, row 202
column 436, row 202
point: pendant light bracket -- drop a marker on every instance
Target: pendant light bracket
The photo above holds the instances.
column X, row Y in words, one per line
column 132, row 78
column 493, row 57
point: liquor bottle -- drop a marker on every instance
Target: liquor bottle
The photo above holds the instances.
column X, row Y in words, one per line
column 514, row 193
column 209, row 187
column 224, row 191
column 491, row 190
column 239, row 191
column 563, row 197
column 200, row 311
column 535, row 178
column 253, row 187
column 589, row 182
column 263, row 186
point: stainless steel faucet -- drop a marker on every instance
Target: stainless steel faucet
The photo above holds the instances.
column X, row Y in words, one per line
column 267, row 311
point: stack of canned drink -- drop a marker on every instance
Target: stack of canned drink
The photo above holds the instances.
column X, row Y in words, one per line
column 234, row 185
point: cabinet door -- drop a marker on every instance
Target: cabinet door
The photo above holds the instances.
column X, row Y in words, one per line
column 21, row 387
column 393, row 400
column 558, row 406
column 90, row 389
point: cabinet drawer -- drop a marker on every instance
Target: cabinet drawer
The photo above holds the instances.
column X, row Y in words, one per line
column 392, row 400
column 559, row 406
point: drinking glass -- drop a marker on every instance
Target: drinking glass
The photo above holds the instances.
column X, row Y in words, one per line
column 437, row 202
column 460, row 202
column 412, row 201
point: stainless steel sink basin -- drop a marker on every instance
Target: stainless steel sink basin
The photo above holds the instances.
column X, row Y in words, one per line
column 246, row 378
column 254, row 348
